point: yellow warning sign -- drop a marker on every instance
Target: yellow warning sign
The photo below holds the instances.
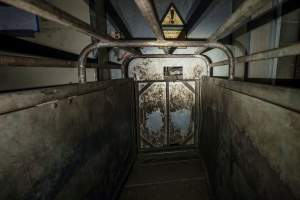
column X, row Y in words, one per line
column 174, row 34
column 173, row 24
column 172, row 18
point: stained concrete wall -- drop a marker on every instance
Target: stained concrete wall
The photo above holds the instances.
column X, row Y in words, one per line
column 74, row 148
column 250, row 139
column 16, row 78
column 153, row 68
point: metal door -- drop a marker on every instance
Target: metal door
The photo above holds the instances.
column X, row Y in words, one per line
column 167, row 111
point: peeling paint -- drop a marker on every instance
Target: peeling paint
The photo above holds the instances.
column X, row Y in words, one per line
column 153, row 68
column 152, row 108
column 182, row 102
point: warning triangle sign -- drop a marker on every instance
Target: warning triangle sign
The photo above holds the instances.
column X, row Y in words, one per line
column 172, row 17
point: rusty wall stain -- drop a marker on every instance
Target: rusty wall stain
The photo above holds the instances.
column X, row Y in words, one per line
column 198, row 71
column 153, row 68
column 145, row 71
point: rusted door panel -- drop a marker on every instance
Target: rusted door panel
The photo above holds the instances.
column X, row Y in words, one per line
column 152, row 115
column 181, row 113
column 167, row 113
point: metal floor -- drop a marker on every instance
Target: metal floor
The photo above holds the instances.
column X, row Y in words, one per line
column 175, row 179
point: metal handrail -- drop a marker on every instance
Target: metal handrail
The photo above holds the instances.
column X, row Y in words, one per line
column 151, row 43
column 290, row 50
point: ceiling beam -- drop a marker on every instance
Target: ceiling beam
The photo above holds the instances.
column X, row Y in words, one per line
column 199, row 11
column 236, row 20
column 201, row 8
column 285, row 7
column 52, row 13
column 148, row 11
column 19, row 46
column 116, row 19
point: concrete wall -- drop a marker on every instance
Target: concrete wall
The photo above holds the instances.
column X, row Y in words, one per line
column 74, row 148
column 13, row 78
column 250, row 139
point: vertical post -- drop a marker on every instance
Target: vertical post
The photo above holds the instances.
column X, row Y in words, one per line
column 296, row 74
column 168, row 112
column 197, row 114
column 98, row 23
column 137, row 114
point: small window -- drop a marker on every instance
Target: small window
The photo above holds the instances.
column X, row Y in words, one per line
column 173, row 72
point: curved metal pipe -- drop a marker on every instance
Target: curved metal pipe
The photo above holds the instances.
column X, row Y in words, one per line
column 207, row 61
column 229, row 54
column 136, row 43
column 82, row 60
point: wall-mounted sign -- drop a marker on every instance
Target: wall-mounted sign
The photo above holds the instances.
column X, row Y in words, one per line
column 173, row 72
column 173, row 24
column 174, row 34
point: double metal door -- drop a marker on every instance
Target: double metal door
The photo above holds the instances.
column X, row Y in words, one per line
column 167, row 113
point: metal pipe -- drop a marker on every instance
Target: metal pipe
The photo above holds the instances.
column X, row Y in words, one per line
column 148, row 12
column 236, row 20
column 207, row 62
column 155, row 43
column 14, row 101
column 26, row 61
column 239, row 17
column 166, row 56
column 127, row 61
column 149, row 43
column 203, row 8
column 291, row 50
column 52, row 13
